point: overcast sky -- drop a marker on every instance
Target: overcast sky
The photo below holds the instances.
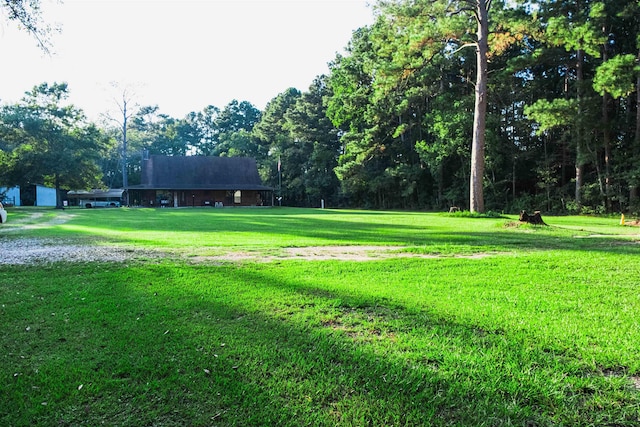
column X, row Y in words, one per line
column 181, row 55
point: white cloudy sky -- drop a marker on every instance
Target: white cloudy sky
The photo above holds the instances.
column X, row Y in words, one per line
column 181, row 55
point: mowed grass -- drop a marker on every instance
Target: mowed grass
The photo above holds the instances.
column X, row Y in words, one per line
column 499, row 324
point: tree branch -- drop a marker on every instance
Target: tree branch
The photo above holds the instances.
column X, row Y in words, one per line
column 465, row 46
column 18, row 10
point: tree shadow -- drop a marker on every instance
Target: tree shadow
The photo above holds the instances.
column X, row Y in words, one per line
column 237, row 346
column 278, row 227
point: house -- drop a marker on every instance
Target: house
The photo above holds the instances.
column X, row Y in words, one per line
column 180, row 181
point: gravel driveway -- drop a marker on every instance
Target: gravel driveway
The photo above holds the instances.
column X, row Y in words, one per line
column 36, row 251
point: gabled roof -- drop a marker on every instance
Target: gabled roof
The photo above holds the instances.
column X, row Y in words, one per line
column 200, row 173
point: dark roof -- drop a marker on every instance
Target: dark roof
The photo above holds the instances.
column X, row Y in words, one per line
column 200, row 173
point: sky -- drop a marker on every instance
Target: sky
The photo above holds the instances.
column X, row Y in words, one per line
column 181, row 55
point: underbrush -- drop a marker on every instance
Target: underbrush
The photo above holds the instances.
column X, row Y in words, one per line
column 469, row 214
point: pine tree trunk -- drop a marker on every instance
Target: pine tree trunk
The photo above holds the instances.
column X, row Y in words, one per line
column 633, row 190
column 476, row 193
column 580, row 133
column 606, row 139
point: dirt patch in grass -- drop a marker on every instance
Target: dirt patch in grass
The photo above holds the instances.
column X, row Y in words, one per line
column 343, row 253
column 324, row 253
column 34, row 221
column 38, row 251
column 16, row 251
column 35, row 250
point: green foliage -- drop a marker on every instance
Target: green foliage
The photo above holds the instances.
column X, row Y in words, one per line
column 469, row 214
column 47, row 142
column 551, row 114
column 578, row 29
column 616, row 76
column 391, row 125
column 234, row 125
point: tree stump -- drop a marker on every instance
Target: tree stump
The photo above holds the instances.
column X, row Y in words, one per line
column 535, row 219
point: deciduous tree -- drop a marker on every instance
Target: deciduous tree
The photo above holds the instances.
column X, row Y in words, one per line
column 49, row 142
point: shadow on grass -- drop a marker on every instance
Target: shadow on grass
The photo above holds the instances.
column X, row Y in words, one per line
column 304, row 227
column 175, row 345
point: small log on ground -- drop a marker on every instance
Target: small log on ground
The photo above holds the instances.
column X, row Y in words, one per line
column 535, row 219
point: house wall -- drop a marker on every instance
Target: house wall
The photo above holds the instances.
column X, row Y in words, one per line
column 197, row 198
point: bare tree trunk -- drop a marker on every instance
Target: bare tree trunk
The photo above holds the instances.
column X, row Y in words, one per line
column 125, row 176
column 476, row 193
column 606, row 140
column 547, row 171
column 126, row 112
column 440, row 183
column 58, row 195
column 513, row 178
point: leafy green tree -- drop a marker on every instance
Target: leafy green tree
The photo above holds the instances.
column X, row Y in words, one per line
column 350, row 83
column 595, row 37
column 201, row 131
column 51, row 143
column 577, row 30
column 226, row 132
column 404, row 87
column 273, row 131
column 234, row 125
column 616, row 79
column 401, row 98
column 315, row 148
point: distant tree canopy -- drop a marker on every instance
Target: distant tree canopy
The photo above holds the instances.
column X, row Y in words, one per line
column 44, row 141
column 561, row 112
column 486, row 105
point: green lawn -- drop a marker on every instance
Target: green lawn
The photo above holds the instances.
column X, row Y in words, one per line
column 486, row 323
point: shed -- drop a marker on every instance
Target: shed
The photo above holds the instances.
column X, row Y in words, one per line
column 10, row 196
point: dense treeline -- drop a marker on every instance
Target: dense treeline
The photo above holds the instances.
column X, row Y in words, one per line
column 393, row 123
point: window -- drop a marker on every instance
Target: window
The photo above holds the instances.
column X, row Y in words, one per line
column 237, row 197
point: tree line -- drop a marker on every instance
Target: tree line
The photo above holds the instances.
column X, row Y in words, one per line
column 481, row 104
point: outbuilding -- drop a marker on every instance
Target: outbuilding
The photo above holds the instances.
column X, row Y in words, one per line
column 29, row 195
column 10, row 196
column 110, row 198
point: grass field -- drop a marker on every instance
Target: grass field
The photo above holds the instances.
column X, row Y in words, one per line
column 212, row 322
